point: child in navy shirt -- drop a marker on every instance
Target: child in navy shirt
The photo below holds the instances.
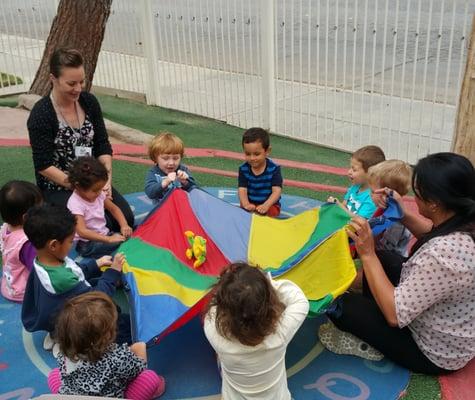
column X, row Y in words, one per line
column 260, row 179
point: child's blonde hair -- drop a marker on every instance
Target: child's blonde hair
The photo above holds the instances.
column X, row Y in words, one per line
column 394, row 174
column 165, row 143
column 86, row 326
column 369, row 156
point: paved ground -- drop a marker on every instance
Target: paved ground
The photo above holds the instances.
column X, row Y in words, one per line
column 13, row 124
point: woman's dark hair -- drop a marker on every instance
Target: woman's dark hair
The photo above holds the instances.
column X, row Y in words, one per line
column 16, row 198
column 86, row 326
column 47, row 222
column 247, row 306
column 62, row 58
column 84, row 172
column 447, row 179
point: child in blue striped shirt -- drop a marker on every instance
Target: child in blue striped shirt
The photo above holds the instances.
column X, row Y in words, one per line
column 260, row 179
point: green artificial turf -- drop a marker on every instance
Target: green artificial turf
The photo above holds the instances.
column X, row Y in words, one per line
column 196, row 131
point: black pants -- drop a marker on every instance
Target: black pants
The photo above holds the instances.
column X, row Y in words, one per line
column 61, row 197
column 361, row 316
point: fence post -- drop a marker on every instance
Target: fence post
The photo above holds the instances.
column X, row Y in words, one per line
column 152, row 89
column 464, row 135
column 267, row 62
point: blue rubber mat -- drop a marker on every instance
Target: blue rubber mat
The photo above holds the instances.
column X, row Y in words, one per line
column 187, row 361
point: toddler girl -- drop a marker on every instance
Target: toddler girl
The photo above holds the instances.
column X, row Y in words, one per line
column 166, row 151
column 16, row 197
column 249, row 321
column 90, row 363
column 88, row 203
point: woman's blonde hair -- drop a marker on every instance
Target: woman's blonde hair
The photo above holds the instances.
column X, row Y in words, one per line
column 86, row 326
column 165, row 143
column 394, row 174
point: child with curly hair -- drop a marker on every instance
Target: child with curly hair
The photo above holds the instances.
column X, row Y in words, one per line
column 91, row 363
column 249, row 321
column 89, row 204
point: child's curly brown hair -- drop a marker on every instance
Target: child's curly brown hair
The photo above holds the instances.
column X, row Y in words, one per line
column 86, row 326
column 247, row 305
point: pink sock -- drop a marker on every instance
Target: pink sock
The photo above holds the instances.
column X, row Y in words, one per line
column 146, row 386
column 54, row 380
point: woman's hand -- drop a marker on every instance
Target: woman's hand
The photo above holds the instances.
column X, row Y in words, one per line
column 107, row 189
column 382, row 195
column 360, row 231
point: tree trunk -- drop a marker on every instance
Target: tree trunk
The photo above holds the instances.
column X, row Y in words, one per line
column 464, row 138
column 79, row 24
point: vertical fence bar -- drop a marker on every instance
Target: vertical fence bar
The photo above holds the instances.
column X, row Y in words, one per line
column 252, row 73
column 230, row 65
column 223, row 68
column 152, row 90
column 353, row 71
column 243, row 71
column 426, row 62
column 211, row 66
column 414, row 74
column 219, row 75
column 393, row 66
column 284, row 66
column 300, row 68
column 21, row 67
column 317, row 63
column 199, row 70
column 436, row 77
column 292, row 71
column 345, row 44
column 403, row 79
column 363, row 65
column 309, row 58
column 194, row 71
column 238, row 64
column 182, row 43
column 327, row 34
column 267, row 62
column 383, row 68
column 449, row 64
column 335, row 69
column 373, row 67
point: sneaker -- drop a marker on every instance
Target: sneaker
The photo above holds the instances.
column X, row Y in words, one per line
column 161, row 387
column 56, row 350
column 48, row 342
column 340, row 342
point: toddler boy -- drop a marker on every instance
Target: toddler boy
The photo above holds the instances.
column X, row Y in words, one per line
column 260, row 179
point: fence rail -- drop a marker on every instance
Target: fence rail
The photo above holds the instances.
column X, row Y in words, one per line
column 341, row 73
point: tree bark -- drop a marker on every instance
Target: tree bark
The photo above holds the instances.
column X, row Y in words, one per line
column 79, row 24
column 464, row 138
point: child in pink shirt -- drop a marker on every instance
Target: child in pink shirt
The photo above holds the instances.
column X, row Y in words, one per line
column 16, row 197
column 88, row 203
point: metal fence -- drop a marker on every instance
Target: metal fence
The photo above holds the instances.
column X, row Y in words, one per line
column 341, row 73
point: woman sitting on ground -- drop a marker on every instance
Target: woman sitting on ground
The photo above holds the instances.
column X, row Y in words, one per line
column 67, row 124
column 419, row 313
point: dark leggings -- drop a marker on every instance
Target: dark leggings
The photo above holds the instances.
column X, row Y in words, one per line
column 361, row 316
column 61, row 197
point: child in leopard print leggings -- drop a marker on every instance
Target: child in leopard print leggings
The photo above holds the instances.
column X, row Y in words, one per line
column 90, row 363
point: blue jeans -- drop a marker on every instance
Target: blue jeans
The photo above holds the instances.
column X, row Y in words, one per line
column 95, row 249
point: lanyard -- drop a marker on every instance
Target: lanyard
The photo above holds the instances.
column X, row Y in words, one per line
column 77, row 130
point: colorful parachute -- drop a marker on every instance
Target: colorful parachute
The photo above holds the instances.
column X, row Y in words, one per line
column 310, row 249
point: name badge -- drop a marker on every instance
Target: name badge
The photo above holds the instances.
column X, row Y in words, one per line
column 82, row 151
